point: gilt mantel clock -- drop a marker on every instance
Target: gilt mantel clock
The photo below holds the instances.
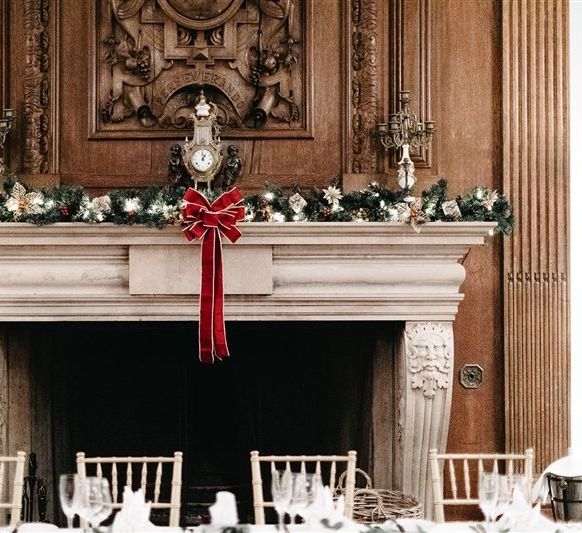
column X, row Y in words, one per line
column 202, row 155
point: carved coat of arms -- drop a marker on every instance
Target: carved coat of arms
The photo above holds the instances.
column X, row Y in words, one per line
column 152, row 57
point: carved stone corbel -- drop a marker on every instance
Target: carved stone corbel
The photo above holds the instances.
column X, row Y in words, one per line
column 424, row 370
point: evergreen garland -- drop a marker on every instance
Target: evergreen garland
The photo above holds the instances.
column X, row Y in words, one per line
column 160, row 206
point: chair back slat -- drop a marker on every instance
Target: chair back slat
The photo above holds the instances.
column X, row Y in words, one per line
column 467, row 477
column 302, row 463
column 158, row 483
column 144, row 476
column 114, row 483
column 453, row 479
column 332, row 473
column 438, row 461
column 141, row 474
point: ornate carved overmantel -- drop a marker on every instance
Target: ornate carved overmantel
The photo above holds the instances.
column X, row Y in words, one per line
column 151, row 57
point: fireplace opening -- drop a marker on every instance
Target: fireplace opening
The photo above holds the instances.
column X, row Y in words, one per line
column 138, row 389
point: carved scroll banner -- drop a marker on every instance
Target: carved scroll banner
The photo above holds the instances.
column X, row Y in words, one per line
column 424, row 370
column 152, row 57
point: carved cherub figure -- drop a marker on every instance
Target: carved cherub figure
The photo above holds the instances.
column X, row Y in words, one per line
column 176, row 170
column 232, row 168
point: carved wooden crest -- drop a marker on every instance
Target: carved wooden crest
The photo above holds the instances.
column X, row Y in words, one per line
column 152, row 57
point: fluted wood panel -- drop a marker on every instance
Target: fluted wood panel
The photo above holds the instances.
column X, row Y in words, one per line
column 535, row 160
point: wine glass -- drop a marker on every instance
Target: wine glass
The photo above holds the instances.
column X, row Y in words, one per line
column 69, row 495
column 281, row 489
column 488, row 495
column 298, row 496
column 96, row 500
column 106, row 502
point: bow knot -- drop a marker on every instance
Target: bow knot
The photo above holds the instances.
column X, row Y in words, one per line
column 199, row 215
column 207, row 222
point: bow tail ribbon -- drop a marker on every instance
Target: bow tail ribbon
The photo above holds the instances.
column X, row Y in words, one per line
column 207, row 222
column 211, row 328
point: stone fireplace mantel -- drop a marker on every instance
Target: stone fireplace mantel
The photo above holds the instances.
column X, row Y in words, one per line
column 290, row 272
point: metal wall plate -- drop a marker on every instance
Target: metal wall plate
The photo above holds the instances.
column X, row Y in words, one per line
column 471, row 376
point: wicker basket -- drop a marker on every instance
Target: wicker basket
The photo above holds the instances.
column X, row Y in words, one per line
column 378, row 505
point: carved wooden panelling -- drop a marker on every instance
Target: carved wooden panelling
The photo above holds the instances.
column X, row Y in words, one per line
column 410, row 63
column 152, row 57
column 363, row 96
column 536, row 176
column 36, row 86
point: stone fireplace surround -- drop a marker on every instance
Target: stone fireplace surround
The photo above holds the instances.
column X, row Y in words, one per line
column 276, row 272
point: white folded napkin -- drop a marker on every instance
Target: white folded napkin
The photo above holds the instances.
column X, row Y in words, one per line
column 520, row 516
column 325, row 509
column 134, row 514
column 223, row 513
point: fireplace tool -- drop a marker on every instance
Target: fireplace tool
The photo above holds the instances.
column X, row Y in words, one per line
column 34, row 492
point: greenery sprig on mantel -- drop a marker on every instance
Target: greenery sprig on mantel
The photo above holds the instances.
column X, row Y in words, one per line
column 160, row 206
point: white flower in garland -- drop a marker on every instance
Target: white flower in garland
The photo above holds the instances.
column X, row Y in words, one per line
column 132, row 205
column 451, row 209
column 489, row 199
column 94, row 210
column 23, row 203
column 480, row 193
column 278, row 217
column 411, row 213
column 159, row 207
column 332, row 195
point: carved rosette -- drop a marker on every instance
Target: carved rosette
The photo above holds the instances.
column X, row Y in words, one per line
column 36, row 86
column 364, row 98
column 429, row 356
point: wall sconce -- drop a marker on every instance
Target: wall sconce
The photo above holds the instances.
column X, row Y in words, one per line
column 5, row 126
column 404, row 130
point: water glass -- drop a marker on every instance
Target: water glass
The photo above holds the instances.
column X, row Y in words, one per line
column 488, row 496
column 505, row 497
column 69, row 495
column 281, row 489
column 298, row 496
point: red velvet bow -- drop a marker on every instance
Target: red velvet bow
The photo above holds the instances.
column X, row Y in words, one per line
column 206, row 222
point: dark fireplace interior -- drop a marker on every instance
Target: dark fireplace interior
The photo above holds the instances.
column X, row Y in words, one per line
column 138, row 389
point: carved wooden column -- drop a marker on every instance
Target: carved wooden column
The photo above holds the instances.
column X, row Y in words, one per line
column 362, row 82
column 535, row 161
column 3, row 391
column 424, row 368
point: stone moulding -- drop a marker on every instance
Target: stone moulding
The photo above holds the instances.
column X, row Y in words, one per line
column 303, row 271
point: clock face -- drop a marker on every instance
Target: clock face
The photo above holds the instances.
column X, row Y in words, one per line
column 202, row 159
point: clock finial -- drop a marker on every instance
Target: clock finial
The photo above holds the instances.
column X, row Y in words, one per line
column 202, row 107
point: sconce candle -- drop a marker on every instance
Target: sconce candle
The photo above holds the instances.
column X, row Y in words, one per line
column 405, row 131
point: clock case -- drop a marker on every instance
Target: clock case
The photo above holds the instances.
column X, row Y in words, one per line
column 206, row 135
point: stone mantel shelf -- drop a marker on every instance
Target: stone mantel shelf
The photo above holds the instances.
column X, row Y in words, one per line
column 277, row 271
